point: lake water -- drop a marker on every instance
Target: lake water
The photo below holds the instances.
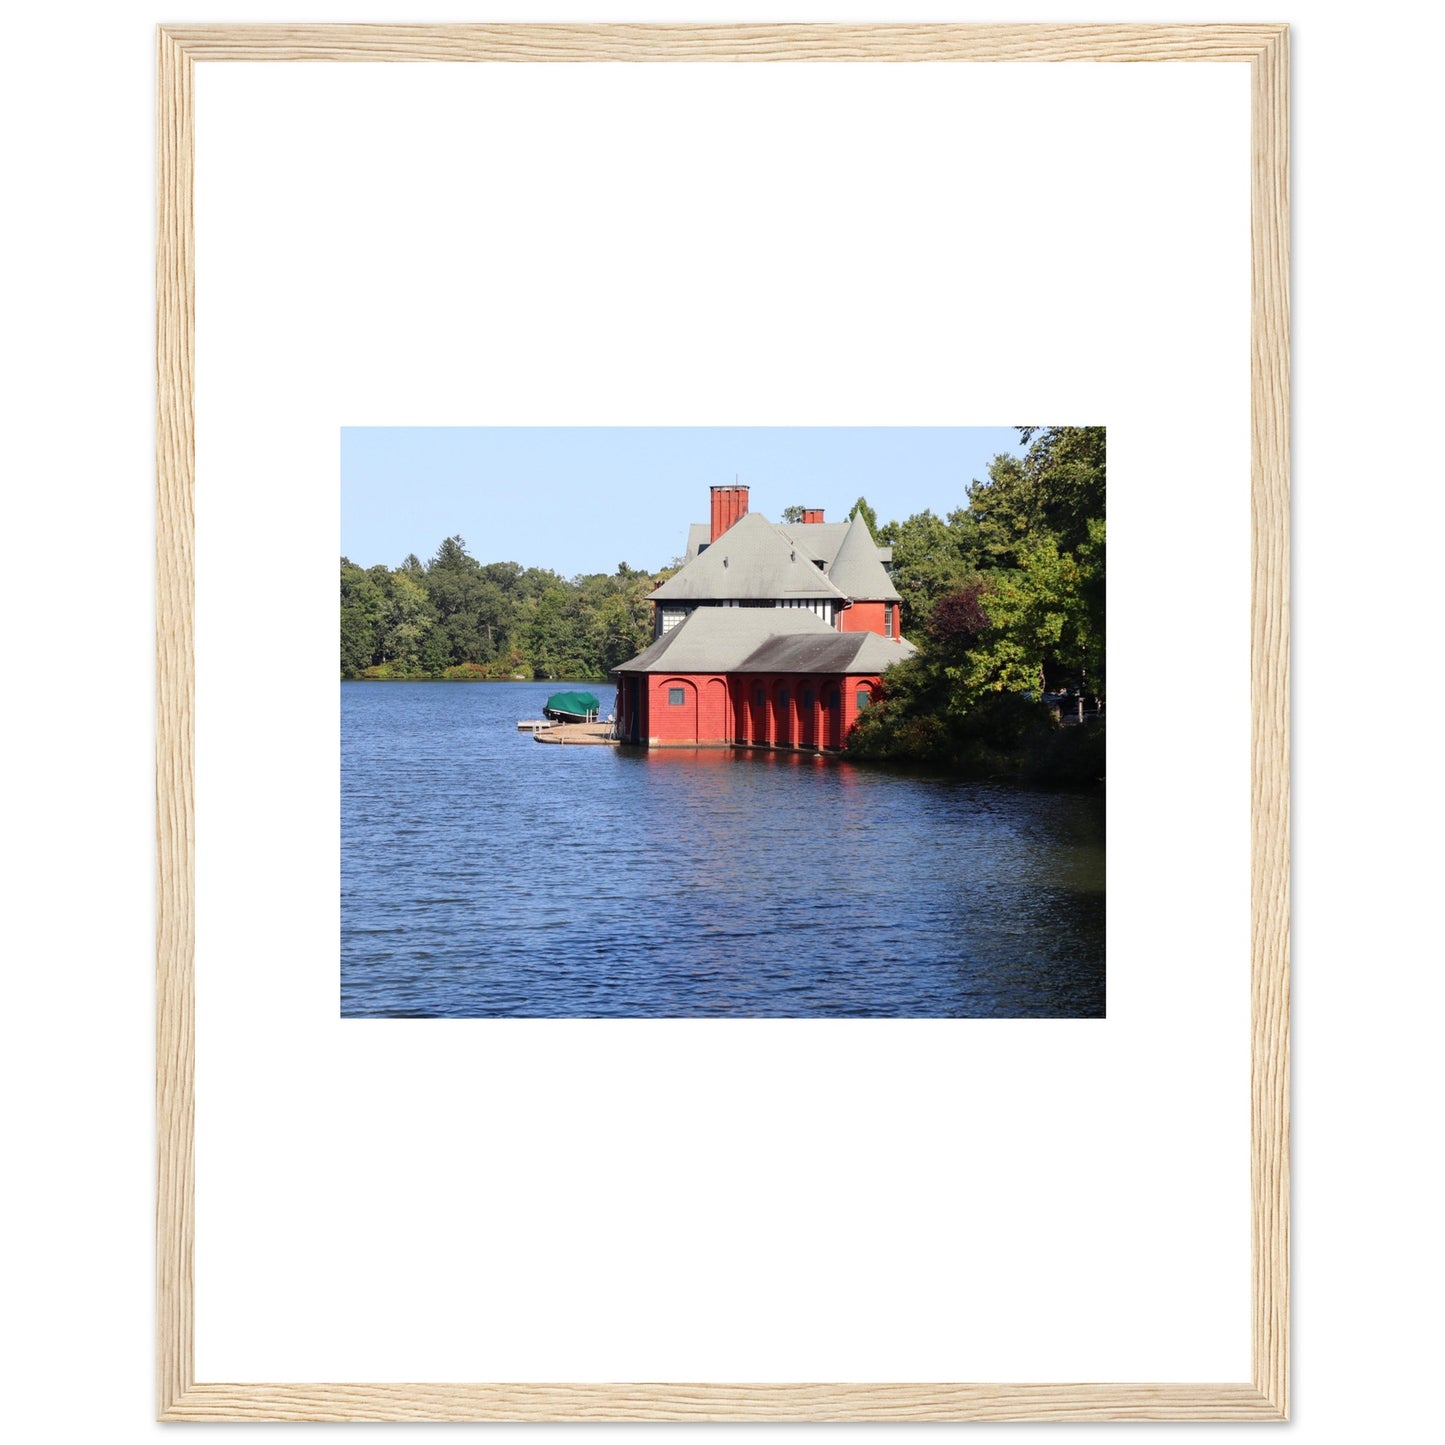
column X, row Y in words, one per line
column 484, row 874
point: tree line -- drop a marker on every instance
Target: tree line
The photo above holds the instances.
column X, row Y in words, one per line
column 456, row 617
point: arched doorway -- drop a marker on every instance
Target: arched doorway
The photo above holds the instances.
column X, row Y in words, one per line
column 715, row 718
column 807, row 712
column 675, row 711
column 757, row 689
column 784, row 731
column 832, row 715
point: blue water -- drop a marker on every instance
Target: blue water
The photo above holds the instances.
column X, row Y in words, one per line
column 484, row 874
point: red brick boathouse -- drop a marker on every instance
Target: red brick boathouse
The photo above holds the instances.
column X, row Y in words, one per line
column 770, row 635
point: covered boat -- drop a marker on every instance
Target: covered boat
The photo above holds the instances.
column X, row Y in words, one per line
column 572, row 707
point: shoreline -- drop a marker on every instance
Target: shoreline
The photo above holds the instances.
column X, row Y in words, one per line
column 546, row 681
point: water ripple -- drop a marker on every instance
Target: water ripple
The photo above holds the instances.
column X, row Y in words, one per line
column 483, row 875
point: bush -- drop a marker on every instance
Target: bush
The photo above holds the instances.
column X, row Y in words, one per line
column 1073, row 755
column 1007, row 735
column 391, row 672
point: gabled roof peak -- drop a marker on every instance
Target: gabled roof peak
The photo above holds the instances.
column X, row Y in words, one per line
column 752, row 560
column 857, row 569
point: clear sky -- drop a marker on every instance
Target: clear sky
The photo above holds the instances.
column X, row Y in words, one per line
column 583, row 499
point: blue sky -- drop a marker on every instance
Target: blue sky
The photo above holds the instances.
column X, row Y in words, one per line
column 583, row 499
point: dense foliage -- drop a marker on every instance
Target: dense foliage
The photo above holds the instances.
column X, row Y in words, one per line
column 1005, row 600
column 454, row 617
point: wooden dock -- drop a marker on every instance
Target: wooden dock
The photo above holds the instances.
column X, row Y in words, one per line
column 591, row 734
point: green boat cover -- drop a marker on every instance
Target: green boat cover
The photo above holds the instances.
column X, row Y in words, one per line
column 580, row 703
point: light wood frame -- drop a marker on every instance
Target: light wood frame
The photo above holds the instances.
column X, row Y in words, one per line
column 1263, row 1397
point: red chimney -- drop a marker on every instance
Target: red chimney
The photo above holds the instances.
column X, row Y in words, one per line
column 812, row 514
column 728, row 504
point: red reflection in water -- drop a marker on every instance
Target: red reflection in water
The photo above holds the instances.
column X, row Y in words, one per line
column 732, row 757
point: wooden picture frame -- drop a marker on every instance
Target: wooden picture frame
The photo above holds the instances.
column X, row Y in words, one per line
column 1265, row 1395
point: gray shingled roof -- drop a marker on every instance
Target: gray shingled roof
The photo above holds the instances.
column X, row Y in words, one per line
column 880, row 653
column 697, row 538
column 838, row 652
column 856, row 569
column 789, row 535
column 750, row 560
column 765, row 639
column 822, row 539
column 717, row 639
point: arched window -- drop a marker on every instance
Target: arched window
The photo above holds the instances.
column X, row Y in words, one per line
column 864, row 698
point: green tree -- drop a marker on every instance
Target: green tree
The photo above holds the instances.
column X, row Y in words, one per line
column 1057, row 487
column 550, row 634
column 1034, row 618
column 1088, row 639
column 454, row 585
column 931, row 558
column 452, row 556
column 361, row 614
column 365, row 612
column 622, row 620
column 410, row 619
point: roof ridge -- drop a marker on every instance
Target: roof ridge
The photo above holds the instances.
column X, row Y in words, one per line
column 752, row 559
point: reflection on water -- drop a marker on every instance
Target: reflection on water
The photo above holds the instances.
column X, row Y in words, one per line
column 483, row 874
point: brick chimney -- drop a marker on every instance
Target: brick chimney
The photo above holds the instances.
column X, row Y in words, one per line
column 728, row 504
column 812, row 514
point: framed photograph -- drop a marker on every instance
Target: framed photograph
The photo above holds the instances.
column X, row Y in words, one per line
column 707, row 960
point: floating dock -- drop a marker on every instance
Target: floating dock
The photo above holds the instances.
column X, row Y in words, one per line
column 590, row 734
